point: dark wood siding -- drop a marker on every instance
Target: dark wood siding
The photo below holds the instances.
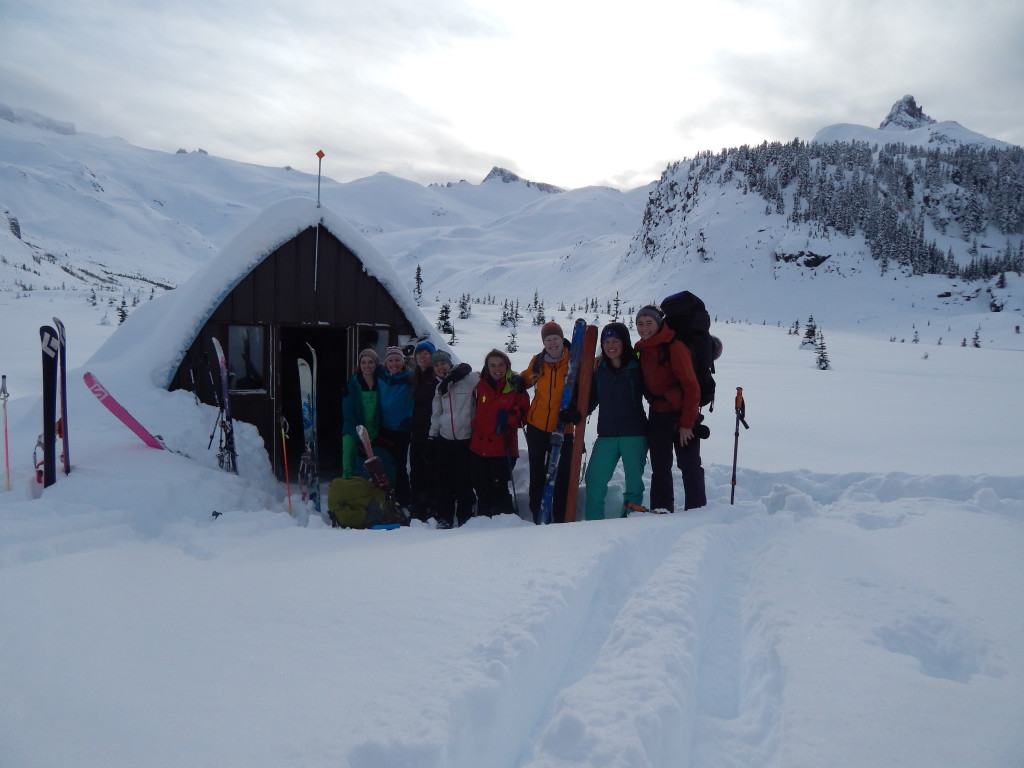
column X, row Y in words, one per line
column 279, row 293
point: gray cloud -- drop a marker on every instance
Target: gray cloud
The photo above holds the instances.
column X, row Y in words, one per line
column 271, row 83
column 851, row 60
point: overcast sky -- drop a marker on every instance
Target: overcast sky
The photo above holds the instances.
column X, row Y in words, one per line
column 569, row 92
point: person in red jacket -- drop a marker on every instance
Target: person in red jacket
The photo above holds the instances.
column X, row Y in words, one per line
column 671, row 389
column 501, row 404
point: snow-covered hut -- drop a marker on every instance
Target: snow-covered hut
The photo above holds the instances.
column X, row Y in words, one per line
column 300, row 276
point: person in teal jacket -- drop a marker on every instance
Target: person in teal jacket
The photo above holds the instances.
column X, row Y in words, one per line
column 617, row 393
column 360, row 404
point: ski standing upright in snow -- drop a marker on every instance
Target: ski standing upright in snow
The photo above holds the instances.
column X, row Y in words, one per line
column 558, row 436
column 583, row 383
column 309, row 464
column 226, row 456
column 62, row 423
column 51, row 351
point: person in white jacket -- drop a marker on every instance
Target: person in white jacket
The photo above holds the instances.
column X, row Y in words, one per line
column 451, row 427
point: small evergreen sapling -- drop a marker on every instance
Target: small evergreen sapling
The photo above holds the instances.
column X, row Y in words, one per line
column 417, row 291
column 810, row 340
column 823, row 362
column 444, row 319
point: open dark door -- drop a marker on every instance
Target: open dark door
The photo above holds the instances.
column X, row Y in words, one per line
column 331, row 348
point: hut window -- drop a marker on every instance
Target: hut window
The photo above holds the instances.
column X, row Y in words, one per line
column 246, row 358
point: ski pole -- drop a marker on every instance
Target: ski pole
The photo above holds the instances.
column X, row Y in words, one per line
column 741, row 413
column 284, row 450
column 7, row 457
column 216, row 399
column 508, row 459
column 213, row 430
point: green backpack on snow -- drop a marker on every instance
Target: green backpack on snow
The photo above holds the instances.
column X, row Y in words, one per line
column 355, row 502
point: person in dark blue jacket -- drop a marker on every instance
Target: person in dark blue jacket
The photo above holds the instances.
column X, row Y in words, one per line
column 396, row 404
column 617, row 393
column 424, row 385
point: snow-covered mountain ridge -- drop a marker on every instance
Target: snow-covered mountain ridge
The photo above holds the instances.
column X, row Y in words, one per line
column 161, row 612
column 758, row 230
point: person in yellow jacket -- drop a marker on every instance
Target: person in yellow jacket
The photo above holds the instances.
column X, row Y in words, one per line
column 546, row 376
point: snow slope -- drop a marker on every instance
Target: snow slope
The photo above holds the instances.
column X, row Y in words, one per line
column 858, row 605
column 855, row 607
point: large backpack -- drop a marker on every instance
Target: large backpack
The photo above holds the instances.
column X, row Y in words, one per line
column 355, row 502
column 688, row 317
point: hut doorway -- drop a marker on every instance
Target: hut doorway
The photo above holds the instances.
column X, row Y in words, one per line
column 332, row 353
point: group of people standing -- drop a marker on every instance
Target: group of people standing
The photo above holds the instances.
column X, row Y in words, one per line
column 449, row 436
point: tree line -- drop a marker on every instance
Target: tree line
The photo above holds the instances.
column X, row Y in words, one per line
column 887, row 193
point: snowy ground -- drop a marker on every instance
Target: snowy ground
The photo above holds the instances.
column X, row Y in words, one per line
column 857, row 606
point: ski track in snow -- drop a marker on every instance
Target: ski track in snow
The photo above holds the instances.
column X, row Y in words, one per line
column 685, row 598
column 691, row 591
column 678, row 596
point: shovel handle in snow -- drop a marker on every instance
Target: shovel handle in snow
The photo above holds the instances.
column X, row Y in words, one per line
column 741, row 418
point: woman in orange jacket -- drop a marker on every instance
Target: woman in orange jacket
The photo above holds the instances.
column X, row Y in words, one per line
column 546, row 374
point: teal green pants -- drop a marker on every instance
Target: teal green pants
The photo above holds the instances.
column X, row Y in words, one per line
column 603, row 460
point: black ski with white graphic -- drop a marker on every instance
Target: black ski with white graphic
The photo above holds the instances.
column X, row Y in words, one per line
column 62, row 429
column 309, row 464
column 51, row 351
column 226, row 456
column 557, row 437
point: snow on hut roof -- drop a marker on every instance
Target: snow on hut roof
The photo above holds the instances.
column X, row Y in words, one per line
column 157, row 336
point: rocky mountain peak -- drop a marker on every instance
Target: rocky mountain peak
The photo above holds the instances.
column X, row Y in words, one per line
column 906, row 114
column 508, row 177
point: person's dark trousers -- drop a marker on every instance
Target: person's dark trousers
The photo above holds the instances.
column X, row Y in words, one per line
column 538, row 442
column 490, row 481
column 420, row 483
column 455, row 498
column 663, row 441
column 398, row 444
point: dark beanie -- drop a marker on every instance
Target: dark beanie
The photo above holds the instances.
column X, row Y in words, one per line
column 652, row 312
column 617, row 330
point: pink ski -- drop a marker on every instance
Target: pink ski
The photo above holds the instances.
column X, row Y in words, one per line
column 104, row 396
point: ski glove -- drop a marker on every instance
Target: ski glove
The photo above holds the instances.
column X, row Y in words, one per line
column 458, row 373
column 570, row 416
column 502, row 420
column 518, row 385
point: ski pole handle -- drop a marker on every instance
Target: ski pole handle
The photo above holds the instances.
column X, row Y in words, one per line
column 741, row 408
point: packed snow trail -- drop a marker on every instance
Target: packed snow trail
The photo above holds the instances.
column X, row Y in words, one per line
column 672, row 653
column 779, row 632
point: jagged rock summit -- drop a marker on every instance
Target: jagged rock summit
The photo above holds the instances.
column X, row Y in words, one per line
column 508, row 177
column 906, row 114
column 908, row 124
